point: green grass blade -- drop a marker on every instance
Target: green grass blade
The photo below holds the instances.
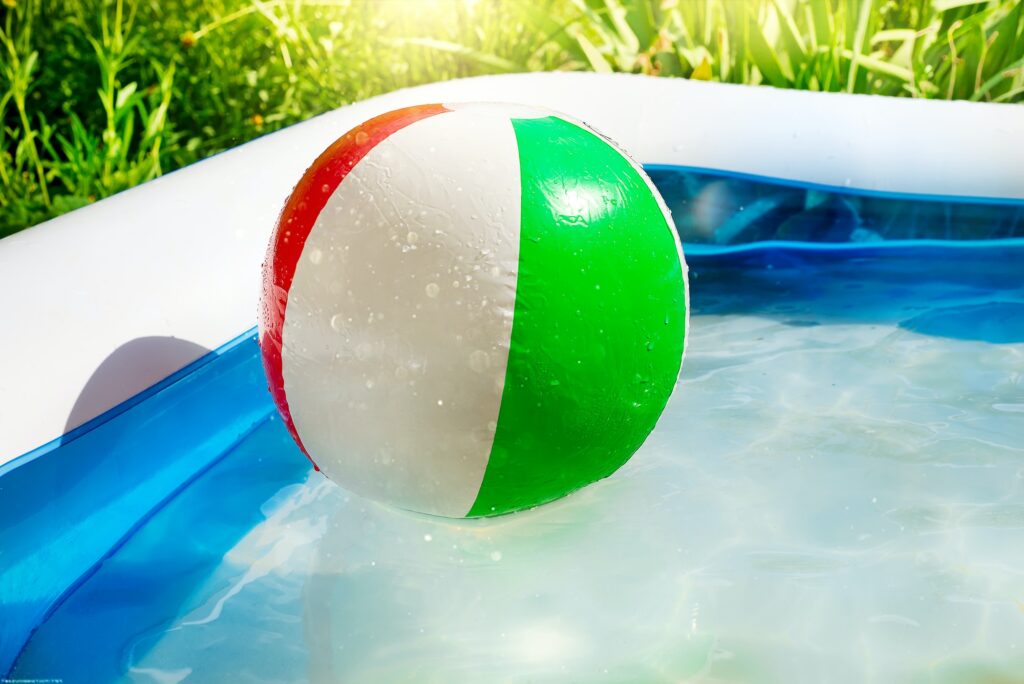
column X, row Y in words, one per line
column 765, row 59
column 643, row 17
column 946, row 5
column 893, row 35
column 617, row 15
column 597, row 61
column 879, row 66
column 858, row 42
column 794, row 42
column 1009, row 95
column 822, row 23
column 493, row 61
column 1005, row 73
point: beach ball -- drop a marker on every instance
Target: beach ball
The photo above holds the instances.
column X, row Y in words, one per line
column 472, row 309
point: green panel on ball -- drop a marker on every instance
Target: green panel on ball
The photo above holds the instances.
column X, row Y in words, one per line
column 599, row 323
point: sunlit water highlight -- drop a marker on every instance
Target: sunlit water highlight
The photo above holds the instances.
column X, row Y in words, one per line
column 835, row 493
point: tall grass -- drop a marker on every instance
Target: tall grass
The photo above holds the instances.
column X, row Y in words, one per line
column 99, row 95
column 951, row 49
column 74, row 138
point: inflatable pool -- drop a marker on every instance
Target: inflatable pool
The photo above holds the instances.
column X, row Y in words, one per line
column 835, row 491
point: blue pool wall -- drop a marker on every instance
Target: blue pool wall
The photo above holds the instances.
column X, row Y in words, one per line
column 69, row 504
column 725, row 208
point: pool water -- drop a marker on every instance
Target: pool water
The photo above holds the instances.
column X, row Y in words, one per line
column 834, row 493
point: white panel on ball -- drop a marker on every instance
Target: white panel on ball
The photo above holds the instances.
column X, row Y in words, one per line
column 399, row 318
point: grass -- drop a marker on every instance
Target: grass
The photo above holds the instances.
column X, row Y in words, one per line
column 99, row 95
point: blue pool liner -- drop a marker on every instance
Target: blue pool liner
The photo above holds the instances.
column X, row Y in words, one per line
column 67, row 505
